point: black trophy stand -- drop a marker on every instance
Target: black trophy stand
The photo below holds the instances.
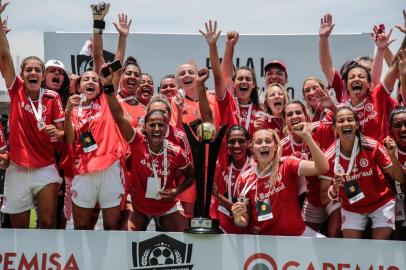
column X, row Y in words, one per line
column 202, row 223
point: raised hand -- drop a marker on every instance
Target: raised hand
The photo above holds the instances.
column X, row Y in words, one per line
column 3, row 6
column 390, row 146
column 326, row 25
column 202, row 75
column 100, row 10
column 302, row 129
column 4, row 25
column 402, row 28
column 73, row 101
column 232, row 38
column 211, row 34
column 382, row 39
column 123, row 25
column 401, row 57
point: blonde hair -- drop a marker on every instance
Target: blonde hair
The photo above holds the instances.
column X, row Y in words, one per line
column 160, row 98
column 286, row 99
column 274, row 165
column 320, row 82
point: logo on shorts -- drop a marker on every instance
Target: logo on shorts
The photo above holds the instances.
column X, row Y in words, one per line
column 74, row 193
column 363, row 162
column 161, row 252
column 76, row 163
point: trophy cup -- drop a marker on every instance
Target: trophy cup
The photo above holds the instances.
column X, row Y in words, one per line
column 202, row 223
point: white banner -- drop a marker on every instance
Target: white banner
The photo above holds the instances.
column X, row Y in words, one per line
column 161, row 54
column 101, row 250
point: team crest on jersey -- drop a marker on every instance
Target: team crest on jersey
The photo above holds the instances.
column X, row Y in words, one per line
column 369, row 107
column 96, row 106
column 363, row 162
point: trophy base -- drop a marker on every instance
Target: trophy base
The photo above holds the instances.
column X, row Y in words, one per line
column 203, row 226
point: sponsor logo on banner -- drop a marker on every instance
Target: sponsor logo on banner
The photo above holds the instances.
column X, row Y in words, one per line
column 263, row 261
column 161, row 252
column 17, row 260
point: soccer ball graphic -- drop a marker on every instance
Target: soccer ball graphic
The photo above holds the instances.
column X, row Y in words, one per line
column 161, row 256
column 206, row 131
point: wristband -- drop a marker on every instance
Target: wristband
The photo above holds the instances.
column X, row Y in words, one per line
column 108, row 89
column 99, row 24
column 331, row 194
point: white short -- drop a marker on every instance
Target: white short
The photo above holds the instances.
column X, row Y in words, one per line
column 22, row 185
column 67, row 204
column 104, row 187
column 309, row 232
column 311, row 213
column 176, row 208
column 383, row 217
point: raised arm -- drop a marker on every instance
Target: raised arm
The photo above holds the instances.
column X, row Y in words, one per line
column 382, row 42
column 227, row 63
column 7, row 71
column 99, row 12
column 326, row 62
column 205, row 110
column 73, row 101
column 123, row 28
column 319, row 164
column 126, row 130
column 396, row 170
column 212, row 36
column 402, row 71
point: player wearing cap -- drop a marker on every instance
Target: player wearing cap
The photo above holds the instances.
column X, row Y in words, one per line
column 36, row 119
column 275, row 72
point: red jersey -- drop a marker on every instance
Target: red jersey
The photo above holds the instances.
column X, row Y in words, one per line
column 233, row 113
column 191, row 114
column 3, row 142
column 178, row 137
column 96, row 119
column 342, row 93
column 373, row 113
column 225, row 179
column 371, row 159
column 28, row 146
column 287, row 219
column 135, row 113
column 141, row 162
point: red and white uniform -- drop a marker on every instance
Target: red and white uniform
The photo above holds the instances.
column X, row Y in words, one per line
column 323, row 135
column 342, row 94
column 134, row 113
column 191, row 114
column 97, row 119
column 400, row 208
column 225, row 179
column 233, row 113
column 178, row 137
column 141, row 162
column 371, row 159
column 373, row 113
column 285, row 207
column 28, row 146
column 3, row 142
